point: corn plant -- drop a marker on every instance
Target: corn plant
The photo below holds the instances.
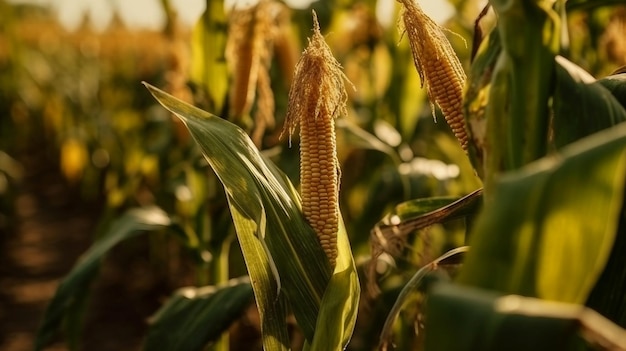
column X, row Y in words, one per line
column 548, row 239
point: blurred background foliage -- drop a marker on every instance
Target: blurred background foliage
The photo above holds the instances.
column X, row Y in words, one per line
column 75, row 99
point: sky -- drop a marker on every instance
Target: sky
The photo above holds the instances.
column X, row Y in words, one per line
column 148, row 13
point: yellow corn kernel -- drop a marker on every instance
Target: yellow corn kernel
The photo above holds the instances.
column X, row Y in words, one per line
column 316, row 97
column 438, row 66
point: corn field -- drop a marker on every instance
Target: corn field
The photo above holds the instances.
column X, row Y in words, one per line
column 354, row 175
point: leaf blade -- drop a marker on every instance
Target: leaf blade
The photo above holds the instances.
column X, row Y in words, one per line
column 74, row 287
column 548, row 233
column 193, row 316
column 582, row 105
column 482, row 320
column 267, row 213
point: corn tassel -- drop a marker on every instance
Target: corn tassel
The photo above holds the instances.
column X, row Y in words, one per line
column 243, row 52
column 252, row 32
column 438, row 66
column 316, row 97
column 286, row 47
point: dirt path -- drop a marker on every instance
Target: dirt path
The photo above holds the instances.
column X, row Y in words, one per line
column 51, row 228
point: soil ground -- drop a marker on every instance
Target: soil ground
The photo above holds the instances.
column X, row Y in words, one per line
column 50, row 228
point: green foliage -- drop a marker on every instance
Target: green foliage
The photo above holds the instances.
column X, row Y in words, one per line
column 477, row 97
column 552, row 221
column 421, row 213
column 606, row 296
column 208, row 63
column 73, row 290
column 411, row 286
column 464, row 319
column 582, row 106
column 616, row 84
column 546, row 139
column 339, row 307
column 517, row 130
column 193, row 317
column 551, row 228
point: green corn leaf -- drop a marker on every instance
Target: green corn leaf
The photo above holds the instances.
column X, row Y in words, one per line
column 340, row 300
column 405, row 95
column 550, row 227
column 420, row 213
column 616, row 84
column 413, row 215
column 483, row 321
column 74, row 288
column 193, row 316
column 411, row 286
column 582, row 106
column 280, row 249
column 607, row 296
column 208, row 46
column 518, row 120
column 272, row 306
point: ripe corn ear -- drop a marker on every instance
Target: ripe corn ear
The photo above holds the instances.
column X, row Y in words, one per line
column 438, row 66
column 316, row 97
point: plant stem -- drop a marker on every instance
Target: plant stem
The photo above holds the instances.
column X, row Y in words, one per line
column 521, row 86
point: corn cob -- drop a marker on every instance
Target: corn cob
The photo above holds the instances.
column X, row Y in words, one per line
column 438, row 66
column 252, row 32
column 316, row 97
